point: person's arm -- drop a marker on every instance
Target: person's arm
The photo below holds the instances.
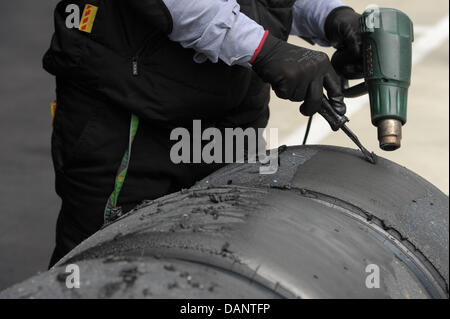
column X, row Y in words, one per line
column 215, row 30
column 218, row 30
column 309, row 17
column 331, row 23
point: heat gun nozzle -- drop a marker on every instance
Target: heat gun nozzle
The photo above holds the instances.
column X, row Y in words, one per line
column 390, row 134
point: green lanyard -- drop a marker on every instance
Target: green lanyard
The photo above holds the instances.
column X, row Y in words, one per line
column 111, row 209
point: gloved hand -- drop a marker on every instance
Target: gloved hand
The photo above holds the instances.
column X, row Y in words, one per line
column 299, row 74
column 342, row 29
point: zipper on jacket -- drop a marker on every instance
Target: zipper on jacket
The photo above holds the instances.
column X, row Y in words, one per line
column 135, row 66
column 137, row 55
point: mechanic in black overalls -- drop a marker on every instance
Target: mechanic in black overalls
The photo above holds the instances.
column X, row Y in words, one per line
column 134, row 70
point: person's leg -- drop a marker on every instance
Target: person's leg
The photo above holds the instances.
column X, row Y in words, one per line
column 70, row 232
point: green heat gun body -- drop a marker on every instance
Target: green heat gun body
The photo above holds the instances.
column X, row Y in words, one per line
column 387, row 36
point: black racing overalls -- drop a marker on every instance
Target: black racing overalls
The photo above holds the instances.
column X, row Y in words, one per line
column 127, row 66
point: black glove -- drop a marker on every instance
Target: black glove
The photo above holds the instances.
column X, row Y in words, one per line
column 299, row 74
column 343, row 31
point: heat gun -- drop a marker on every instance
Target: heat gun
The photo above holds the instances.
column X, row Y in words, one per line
column 387, row 36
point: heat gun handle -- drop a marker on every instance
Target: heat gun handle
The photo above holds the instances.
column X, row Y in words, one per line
column 335, row 120
column 354, row 91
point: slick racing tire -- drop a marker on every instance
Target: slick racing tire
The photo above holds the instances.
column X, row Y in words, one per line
column 327, row 224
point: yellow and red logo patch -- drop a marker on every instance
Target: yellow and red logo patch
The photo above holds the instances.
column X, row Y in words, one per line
column 88, row 18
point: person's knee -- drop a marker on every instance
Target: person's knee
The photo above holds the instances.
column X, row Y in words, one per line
column 73, row 226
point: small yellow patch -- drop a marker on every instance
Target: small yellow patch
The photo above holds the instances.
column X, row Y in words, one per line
column 88, row 18
column 53, row 108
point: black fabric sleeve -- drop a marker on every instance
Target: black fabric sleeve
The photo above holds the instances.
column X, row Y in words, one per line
column 156, row 11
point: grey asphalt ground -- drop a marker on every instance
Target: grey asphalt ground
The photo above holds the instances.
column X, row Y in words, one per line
column 28, row 204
